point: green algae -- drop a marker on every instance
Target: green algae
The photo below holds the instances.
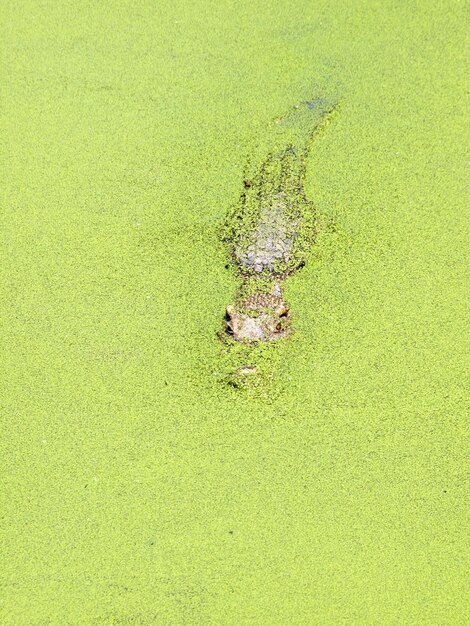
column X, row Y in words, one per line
column 137, row 487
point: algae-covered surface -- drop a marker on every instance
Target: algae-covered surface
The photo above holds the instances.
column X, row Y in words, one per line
column 138, row 485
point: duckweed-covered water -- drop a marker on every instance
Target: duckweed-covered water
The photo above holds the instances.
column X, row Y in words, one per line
column 139, row 487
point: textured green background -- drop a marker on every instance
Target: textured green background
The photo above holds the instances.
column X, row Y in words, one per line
column 137, row 487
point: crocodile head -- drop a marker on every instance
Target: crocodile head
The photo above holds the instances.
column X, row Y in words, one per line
column 260, row 317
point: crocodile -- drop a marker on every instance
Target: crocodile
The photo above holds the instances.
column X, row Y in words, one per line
column 272, row 227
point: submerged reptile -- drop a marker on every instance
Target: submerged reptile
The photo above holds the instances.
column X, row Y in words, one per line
column 272, row 228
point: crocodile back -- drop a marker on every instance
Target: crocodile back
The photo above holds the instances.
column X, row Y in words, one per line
column 264, row 229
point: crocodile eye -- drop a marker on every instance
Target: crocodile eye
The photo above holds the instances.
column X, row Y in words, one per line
column 282, row 310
